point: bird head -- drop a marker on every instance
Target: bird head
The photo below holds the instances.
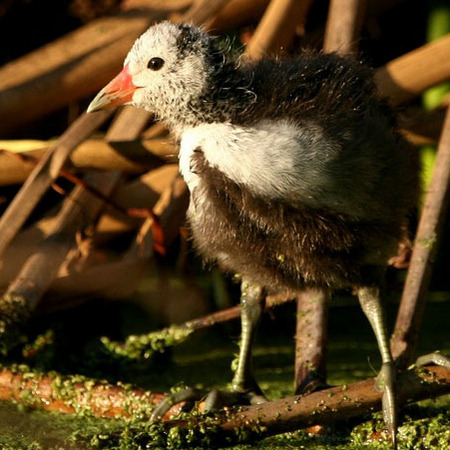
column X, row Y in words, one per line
column 167, row 67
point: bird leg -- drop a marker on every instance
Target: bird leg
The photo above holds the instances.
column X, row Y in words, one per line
column 252, row 303
column 369, row 298
column 311, row 335
column 244, row 389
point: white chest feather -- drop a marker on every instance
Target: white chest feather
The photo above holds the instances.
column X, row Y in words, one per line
column 262, row 158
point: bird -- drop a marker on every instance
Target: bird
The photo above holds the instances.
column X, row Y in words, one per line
column 298, row 176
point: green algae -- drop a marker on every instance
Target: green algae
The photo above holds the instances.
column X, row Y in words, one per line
column 14, row 313
column 144, row 346
column 206, row 362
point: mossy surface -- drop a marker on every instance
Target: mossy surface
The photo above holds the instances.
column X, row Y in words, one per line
column 203, row 360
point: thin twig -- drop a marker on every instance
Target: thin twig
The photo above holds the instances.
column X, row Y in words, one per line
column 141, row 346
column 407, row 76
column 141, row 213
column 250, row 423
column 68, row 69
column 203, row 10
column 345, row 18
column 277, row 27
column 310, row 339
column 44, row 175
column 427, row 240
column 70, row 394
column 342, row 31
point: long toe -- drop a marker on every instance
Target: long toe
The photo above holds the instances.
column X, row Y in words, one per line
column 186, row 395
column 218, row 399
column 433, row 358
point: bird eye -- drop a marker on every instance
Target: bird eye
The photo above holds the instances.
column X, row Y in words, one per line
column 155, row 63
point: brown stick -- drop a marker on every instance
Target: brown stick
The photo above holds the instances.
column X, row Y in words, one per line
column 337, row 403
column 42, row 267
column 277, row 27
column 44, row 174
column 311, row 337
column 164, row 5
column 127, row 156
column 140, row 346
column 170, row 210
column 127, row 126
column 409, row 75
column 70, row 395
column 423, row 127
column 238, row 13
column 119, row 278
column 345, row 19
column 250, row 423
column 342, row 31
column 72, row 67
column 202, row 10
column 142, row 193
column 427, row 240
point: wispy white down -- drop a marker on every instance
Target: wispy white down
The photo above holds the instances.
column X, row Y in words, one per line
column 265, row 157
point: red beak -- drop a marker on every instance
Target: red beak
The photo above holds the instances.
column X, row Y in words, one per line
column 118, row 92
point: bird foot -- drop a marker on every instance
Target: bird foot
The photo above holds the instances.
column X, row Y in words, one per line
column 433, row 358
column 386, row 382
column 209, row 400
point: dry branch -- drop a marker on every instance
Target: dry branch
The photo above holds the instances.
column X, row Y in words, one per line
column 164, row 5
column 42, row 267
column 140, row 193
column 310, row 339
column 141, row 346
column 117, row 279
column 78, row 394
column 422, row 127
column 237, row 13
column 137, row 194
column 202, row 10
column 339, row 403
column 345, row 19
column 342, row 30
column 409, row 75
column 132, row 157
column 429, row 234
column 250, row 423
column 277, row 27
column 44, row 174
column 73, row 67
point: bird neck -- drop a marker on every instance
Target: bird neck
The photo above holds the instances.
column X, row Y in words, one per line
column 228, row 96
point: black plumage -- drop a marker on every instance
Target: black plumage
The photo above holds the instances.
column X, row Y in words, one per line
column 305, row 242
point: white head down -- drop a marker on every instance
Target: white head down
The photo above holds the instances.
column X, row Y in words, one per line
column 167, row 71
column 167, row 64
